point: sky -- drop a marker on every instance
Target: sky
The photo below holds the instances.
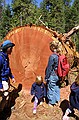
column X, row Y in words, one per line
column 9, row 1
column 39, row 1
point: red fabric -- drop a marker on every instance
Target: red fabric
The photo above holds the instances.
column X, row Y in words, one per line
column 63, row 66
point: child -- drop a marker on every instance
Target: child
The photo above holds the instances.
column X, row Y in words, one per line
column 74, row 98
column 38, row 90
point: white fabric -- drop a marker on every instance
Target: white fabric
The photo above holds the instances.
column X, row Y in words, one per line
column 36, row 99
column 34, row 111
column 5, row 87
column 68, row 111
column 65, row 117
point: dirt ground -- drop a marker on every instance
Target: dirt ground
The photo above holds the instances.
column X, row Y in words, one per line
column 21, row 100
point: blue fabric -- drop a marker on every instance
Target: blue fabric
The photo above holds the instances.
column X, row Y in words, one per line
column 1, row 86
column 52, row 66
column 38, row 90
column 6, row 42
column 53, row 91
column 5, row 71
column 74, row 96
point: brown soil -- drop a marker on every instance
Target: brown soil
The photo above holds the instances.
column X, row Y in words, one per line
column 23, row 108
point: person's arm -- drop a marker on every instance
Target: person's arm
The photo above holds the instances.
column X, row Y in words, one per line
column 44, row 90
column 49, row 67
column 10, row 73
column 1, row 62
column 11, row 76
column 33, row 89
column 1, row 86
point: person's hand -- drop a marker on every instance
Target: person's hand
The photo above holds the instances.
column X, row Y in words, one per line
column 44, row 99
column 1, row 90
column 13, row 80
column 45, row 82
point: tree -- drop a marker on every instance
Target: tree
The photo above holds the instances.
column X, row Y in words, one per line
column 0, row 8
column 24, row 12
column 53, row 13
column 5, row 21
column 75, row 21
column 67, row 12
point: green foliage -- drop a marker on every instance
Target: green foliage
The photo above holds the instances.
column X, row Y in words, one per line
column 58, row 15
column 5, row 22
column 25, row 11
column 53, row 14
column 75, row 20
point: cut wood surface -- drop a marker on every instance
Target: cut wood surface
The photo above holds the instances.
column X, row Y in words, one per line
column 31, row 52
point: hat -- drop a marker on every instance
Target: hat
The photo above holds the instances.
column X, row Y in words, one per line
column 6, row 44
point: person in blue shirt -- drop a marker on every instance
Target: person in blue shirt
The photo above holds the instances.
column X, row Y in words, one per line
column 73, row 98
column 5, row 70
column 51, row 77
column 38, row 92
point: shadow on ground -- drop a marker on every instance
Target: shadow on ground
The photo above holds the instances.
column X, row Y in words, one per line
column 64, row 105
column 6, row 106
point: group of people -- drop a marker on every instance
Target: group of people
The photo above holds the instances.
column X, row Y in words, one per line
column 40, row 90
column 50, row 88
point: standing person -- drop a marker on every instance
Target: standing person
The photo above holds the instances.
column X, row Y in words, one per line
column 38, row 91
column 51, row 77
column 73, row 98
column 5, row 71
